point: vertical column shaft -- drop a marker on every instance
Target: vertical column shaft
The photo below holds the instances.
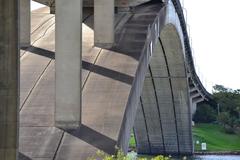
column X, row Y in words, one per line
column 9, row 79
column 25, row 23
column 193, row 107
column 68, row 63
column 104, row 23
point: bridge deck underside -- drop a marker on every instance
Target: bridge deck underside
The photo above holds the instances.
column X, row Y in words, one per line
column 39, row 139
column 89, row 3
column 112, row 81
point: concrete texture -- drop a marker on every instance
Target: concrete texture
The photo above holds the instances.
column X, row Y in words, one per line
column 49, row 3
column 25, row 24
column 112, row 82
column 106, row 117
column 68, row 63
column 104, row 23
column 9, row 79
column 90, row 3
column 166, row 89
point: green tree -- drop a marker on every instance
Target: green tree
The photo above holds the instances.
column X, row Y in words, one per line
column 205, row 114
column 229, row 102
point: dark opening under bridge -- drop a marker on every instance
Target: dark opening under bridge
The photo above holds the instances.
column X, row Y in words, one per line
column 85, row 86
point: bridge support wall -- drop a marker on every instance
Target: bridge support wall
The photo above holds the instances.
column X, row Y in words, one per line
column 9, row 79
column 25, row 23
column 68, row 63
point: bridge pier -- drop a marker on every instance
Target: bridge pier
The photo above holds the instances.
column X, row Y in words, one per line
column 194, row 108
column 68, row 63
column 195, row 98
column 9, row 79
column 25, row 23
column 104, row 23
column 195, row 101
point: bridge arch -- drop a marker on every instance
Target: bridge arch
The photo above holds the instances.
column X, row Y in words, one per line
column 163, row 119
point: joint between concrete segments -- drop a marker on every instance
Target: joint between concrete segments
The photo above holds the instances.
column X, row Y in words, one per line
column 104, row 45
column 25, row 44
column 67, row 125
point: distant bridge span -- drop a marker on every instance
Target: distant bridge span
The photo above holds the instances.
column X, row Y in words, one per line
column 144, row 79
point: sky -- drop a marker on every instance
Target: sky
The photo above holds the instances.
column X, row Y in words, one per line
column 214, row 29
column 215, row 32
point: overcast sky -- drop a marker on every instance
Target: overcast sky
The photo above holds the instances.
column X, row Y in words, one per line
column 215, row 33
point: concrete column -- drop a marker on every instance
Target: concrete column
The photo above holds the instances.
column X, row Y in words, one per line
column 9, row 79
column 25, row 23
column 104, row 23
column 193, row 108
column 68, row 63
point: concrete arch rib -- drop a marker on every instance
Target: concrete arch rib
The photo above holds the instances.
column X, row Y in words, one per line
column 166, row 93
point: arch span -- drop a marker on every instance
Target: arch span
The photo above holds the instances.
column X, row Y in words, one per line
column 113, row 81
column 163, row 121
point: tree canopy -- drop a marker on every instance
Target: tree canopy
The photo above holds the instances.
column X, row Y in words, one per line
column 229, row 106
column 226, row 113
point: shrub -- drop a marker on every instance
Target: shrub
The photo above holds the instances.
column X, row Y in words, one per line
column 230, row 123
column 121, row 156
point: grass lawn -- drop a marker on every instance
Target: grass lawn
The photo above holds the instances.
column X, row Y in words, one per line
column 215, row 137
column 132, row 142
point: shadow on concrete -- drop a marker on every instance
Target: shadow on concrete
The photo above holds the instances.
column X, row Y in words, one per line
column 87, row 66
column 94, row 138
column 107, row 72
column 21, row 156
column 40, row 51
column 88, row 17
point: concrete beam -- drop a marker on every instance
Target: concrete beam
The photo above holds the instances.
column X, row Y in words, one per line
column 197, row 99
column 195, row 94
column 118, row 3
column 68, row 63
column 192, row 89
column 25, row 23
column 103, row 23
column 193, row 108
column 9, row 79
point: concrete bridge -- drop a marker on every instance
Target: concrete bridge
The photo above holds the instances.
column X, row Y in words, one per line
column 82, row 82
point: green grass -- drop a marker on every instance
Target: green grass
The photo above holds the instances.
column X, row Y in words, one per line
column 212, row 134
column 215, row 137
column 132, row 142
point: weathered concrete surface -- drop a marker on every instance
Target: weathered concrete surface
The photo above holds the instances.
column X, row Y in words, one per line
column 162, row 109
column 68, row 63
column 38, row 80
column 104, row 23
column 89, row 3
column 112, row 82
column 25, row 24
column 9, row 79
column 169, row 103
column 118, row 3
